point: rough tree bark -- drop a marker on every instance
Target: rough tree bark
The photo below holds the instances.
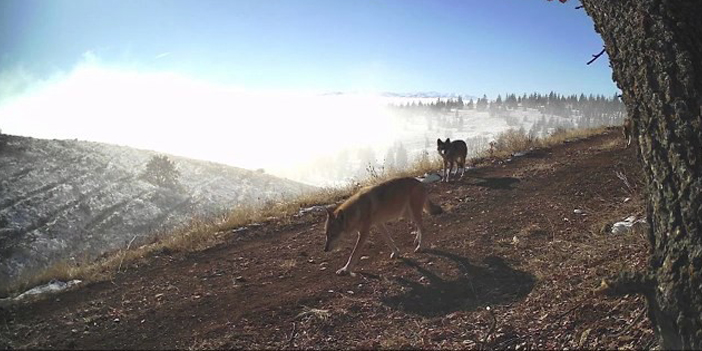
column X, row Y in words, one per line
column 655, row 50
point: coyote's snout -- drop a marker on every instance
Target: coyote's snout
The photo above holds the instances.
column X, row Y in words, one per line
column 626, row 130
column 453, row 152
column 374, row 206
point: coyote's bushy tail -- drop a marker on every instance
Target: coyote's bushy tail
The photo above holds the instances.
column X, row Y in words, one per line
column 432, row 208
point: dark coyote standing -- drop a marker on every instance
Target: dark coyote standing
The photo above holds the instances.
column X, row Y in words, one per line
column 452, row 152
column 374, row 206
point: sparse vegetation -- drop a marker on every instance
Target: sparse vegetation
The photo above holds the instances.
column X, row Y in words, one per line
column 512, row 269
column 199, row 234
column 514, row 140
column 517, row 140
column 66, row 200
column 317, row 313
column 202, row 233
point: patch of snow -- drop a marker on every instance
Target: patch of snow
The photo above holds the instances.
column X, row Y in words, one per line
column 626, row 225
column 53, row 286
column 429, row 178
column 306, row 210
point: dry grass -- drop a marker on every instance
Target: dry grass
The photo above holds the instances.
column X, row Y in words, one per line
column 397, row 340
column 513, row 141
column 317, row 313
column 199, row 234
column 635, row 206
column 206, row 344
column 64, row 270
column 288, row 264
column 561, row 136
column 531, row 231
column 612, row 145
column 202, row 233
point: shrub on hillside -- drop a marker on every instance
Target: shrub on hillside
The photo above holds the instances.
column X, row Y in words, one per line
column 161, row 171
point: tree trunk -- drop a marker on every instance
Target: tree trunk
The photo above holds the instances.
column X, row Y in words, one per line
column 655, row 50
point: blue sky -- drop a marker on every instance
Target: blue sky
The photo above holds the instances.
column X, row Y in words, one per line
column 472, row 47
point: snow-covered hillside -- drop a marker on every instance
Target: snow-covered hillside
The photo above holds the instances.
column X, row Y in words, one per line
column 63, row 199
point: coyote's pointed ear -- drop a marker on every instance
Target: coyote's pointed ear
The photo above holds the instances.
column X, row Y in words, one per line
column 438, row 142
column 448, row 140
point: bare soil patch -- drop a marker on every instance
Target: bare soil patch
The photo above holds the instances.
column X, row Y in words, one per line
column 512, row 265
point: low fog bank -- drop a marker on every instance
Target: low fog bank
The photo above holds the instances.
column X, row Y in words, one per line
column 419, row 122
column 318, row 139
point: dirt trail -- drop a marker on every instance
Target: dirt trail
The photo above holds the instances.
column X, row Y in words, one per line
column 509, row 240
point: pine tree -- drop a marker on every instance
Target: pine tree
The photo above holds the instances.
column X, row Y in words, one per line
column 161, row 171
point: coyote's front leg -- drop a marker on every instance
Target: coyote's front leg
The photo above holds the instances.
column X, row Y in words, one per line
column 447, row 171
column 347, row 269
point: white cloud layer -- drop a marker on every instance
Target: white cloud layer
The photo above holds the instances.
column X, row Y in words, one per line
column 182, row 115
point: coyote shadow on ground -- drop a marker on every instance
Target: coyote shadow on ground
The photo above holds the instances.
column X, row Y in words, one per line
column 536, row 154
column 505, row 183
column 493, row 282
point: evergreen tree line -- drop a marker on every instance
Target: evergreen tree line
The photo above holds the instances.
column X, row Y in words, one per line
column 591, row 106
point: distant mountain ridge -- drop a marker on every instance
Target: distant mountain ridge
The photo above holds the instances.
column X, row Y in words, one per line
column 418, row 94
column 63, row 199
column 430, row 94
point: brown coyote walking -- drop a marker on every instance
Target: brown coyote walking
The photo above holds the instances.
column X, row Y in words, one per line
column 452, row 152
column 374, row 206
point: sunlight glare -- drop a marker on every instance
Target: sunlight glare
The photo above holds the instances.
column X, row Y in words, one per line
column 194, row 118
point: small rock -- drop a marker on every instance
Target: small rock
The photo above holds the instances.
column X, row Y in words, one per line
column 116, row 320
column 363, row 258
